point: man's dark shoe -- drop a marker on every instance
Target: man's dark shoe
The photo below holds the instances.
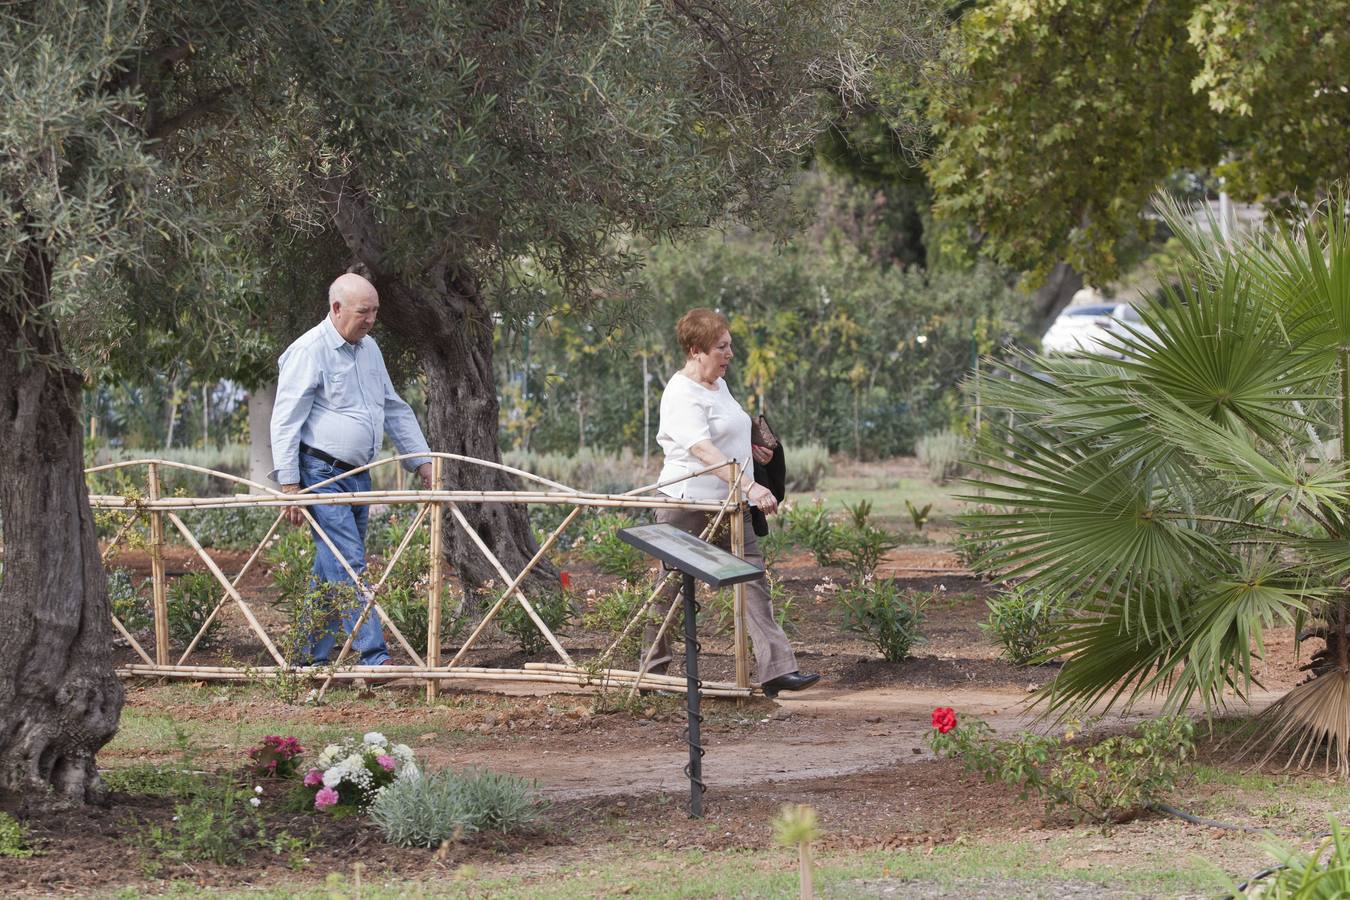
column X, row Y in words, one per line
column 792, row 681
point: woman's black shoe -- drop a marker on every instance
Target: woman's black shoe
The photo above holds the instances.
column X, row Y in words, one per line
column 793, row 681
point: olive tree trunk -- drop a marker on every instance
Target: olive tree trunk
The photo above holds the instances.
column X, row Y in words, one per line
column 59, row 697
column 442, row 313
column 452, row 332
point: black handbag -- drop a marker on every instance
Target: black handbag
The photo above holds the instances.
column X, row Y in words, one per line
column 772, row 474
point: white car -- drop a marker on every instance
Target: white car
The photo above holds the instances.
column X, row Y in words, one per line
column 1087, row 329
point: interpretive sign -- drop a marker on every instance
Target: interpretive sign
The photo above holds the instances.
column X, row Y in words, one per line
column 687, row 553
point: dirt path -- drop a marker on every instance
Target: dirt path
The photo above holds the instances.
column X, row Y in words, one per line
column 817, row 734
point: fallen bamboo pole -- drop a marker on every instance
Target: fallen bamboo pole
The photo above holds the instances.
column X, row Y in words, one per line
column 585, row 679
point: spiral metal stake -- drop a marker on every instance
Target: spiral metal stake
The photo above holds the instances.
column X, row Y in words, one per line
column 694, row 770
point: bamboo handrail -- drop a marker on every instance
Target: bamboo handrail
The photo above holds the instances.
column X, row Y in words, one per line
column 157, row 507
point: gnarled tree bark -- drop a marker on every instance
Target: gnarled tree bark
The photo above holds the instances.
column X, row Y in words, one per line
column 451, row 329
column 444, row 316
column 59, row 697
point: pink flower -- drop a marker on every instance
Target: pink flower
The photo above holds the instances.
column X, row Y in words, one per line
column 386, row 762
column 313, row 778
column 325, row 798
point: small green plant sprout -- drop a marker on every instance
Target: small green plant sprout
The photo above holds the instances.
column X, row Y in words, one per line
column 859, row 514
column 920, row 516
column 13, row 841
column 796, row 827
column 1324, row 872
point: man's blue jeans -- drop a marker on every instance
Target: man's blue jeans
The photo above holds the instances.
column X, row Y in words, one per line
column 346, row 527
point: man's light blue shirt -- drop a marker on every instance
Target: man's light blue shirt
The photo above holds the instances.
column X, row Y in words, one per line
column 337, row 397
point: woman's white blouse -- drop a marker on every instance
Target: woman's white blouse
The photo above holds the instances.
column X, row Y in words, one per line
column 691, row 413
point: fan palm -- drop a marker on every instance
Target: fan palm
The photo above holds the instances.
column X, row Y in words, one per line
column 1193, row 494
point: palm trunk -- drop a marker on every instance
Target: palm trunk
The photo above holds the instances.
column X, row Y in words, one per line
column 62, row 698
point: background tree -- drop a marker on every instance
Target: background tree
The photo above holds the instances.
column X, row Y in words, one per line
column 1060, row 118
column 464, row 150
column 86, row 206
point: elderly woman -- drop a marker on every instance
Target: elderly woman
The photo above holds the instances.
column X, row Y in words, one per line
column 702, row 425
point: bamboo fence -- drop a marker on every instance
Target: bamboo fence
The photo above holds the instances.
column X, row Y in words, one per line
column 434, row 508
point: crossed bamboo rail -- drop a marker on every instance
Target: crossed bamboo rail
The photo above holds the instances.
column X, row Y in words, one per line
column 432, row 506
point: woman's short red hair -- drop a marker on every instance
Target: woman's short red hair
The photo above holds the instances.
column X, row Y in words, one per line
column 699, row 329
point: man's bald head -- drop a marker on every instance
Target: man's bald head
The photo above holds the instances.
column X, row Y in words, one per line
column 353, row 304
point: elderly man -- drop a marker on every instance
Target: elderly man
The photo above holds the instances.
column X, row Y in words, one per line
column 334, row 403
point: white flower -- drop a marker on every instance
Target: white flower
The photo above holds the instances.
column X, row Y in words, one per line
column 333, row 777
column 403, row 753
column 375, row 739
column 255, row 801
column 257, row 789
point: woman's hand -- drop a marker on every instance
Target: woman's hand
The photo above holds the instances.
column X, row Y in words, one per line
column 762, row 455
column 764, row 499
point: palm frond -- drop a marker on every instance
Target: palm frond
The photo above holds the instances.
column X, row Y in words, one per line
column 1070, row 521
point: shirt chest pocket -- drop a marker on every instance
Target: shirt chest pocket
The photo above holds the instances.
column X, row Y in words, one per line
column 341, row 388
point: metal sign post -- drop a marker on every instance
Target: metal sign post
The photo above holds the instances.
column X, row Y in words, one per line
column 693, row 558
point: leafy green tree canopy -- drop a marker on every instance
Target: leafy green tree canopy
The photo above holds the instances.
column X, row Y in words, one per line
column 1066, row 114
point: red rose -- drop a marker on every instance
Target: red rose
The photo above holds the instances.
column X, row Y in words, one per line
column 944, row 719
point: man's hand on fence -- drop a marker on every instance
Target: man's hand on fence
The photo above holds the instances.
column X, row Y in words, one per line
column 424, row 473
column 293, row 513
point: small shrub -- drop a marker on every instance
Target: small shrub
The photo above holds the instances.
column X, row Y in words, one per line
column 919, row 516
column 601, row 545
column 941, row 453
column 192, row 598
column 13, row 840
column 774, row 544
column 129, row 604
column 545, row 519
column 808, row 466
column 810, row 527
column 555, row 609
column 406, row 605
column 1102, row 782
column 612, row 612
column 427, row 811
column 1022, row 622
column 221, row 824
column 975, row 545
column 860, row 548
column 887, row 616
column 290, row 561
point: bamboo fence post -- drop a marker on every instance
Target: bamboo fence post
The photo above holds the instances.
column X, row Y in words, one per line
column 158, row 595
column 738, row 591
column 434, row 598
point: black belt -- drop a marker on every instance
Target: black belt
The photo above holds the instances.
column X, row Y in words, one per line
column 326, row 457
